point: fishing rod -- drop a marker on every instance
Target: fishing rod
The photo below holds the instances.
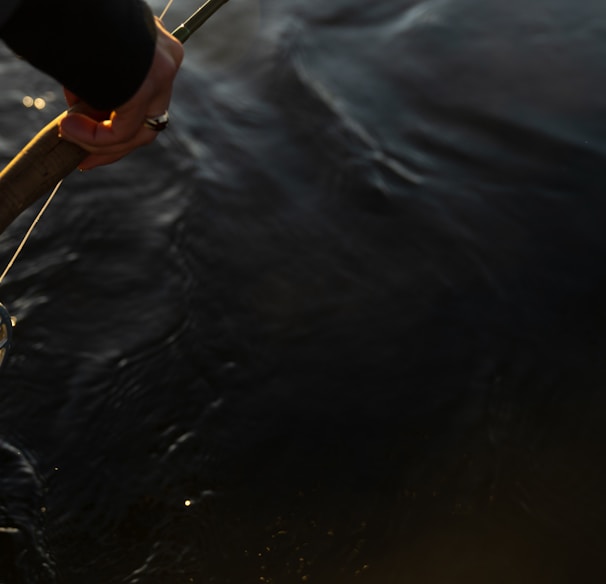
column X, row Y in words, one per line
column 46, row 160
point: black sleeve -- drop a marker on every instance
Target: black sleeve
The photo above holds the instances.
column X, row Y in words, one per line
column 100, row 50
column 6, row 9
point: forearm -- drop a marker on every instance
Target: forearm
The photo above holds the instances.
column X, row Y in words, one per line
column 101, row 50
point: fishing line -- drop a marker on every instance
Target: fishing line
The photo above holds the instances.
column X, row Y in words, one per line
column 170, row 2
column 29, row 231
column 7, row 322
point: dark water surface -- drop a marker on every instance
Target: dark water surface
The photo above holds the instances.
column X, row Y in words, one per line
column 344, row 322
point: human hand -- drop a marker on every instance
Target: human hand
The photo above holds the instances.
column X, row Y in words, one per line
column 109, row 136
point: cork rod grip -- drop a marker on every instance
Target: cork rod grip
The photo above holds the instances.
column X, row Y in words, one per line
column 40, row 165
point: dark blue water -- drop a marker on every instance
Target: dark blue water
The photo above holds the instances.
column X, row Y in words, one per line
column 344, row 322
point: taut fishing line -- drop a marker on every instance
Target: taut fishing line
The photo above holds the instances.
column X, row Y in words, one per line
column 170, row 2
column 29, row 231
column 7, row 322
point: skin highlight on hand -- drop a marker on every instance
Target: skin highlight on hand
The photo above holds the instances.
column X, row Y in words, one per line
column 111, row 136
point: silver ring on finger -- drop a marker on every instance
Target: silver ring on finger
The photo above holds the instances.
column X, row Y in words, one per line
column 157, row 123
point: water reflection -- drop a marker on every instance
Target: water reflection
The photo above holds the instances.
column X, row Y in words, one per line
column 39, row 102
